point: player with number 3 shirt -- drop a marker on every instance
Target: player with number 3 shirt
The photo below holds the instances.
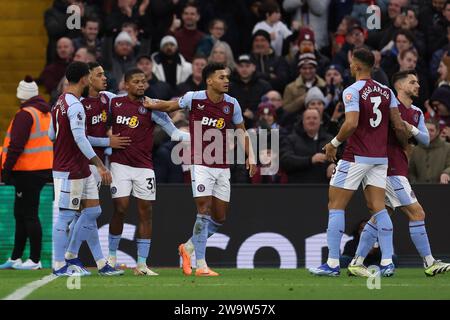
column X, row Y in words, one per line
column 370, row 108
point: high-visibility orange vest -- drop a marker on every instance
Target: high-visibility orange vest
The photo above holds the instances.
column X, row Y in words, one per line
column 38, row 151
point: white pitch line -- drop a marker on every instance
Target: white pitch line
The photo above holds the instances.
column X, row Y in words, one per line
column 26, row 290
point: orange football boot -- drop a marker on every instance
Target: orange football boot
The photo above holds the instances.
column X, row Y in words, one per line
column 205, row 272
column 186, row 260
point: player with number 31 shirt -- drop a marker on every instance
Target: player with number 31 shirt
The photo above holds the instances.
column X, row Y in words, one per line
column 370, row 108
column 132, row 167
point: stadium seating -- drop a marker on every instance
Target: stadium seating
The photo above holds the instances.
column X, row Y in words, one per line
column 23, row 44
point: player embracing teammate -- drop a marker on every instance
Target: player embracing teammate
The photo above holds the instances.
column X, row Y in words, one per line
column 399, row 193
column 370, row 108
column 211, row 113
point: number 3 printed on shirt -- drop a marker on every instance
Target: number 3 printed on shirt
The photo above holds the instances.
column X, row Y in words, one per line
column 376, row 101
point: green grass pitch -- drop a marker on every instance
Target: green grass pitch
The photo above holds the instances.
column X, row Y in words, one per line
column 256, row 284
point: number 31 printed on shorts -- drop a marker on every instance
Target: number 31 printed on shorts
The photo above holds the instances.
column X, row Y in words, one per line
column 151, row 184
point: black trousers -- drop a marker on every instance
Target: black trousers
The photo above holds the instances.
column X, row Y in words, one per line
column 26, row 208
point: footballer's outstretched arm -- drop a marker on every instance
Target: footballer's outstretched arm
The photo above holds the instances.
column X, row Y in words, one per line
column 161, row 105
column 166, row 123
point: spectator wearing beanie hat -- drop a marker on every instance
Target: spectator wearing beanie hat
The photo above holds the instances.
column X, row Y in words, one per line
column 267, row 116
column 440, row 107
column 305, row 42
column 121, row 57
column 295, row 92
column 169, row 65
column 315, row 99
column 271, row 68
column 26, row 163
column 335, row 85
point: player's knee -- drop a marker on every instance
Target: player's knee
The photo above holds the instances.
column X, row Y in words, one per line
column 145, row 215
column 375, row 207
column 417, row 216
column 204, row 208
column 120, row 211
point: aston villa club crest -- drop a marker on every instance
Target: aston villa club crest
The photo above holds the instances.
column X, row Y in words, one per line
column 103, row 99
column 142, row 110
column 226, row 109
column 200, row 188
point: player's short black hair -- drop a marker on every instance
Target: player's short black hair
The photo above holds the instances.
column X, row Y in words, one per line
column 402, row 75
column 211, row 68
column 75, row 71
column 131, row 72
column 365, row 56
column 93, row 65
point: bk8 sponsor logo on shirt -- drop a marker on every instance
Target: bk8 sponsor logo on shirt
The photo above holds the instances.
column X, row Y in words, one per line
column 99, row 118
column 131, row 122
column 211, row 122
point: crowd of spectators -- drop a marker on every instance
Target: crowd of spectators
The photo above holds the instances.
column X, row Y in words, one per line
column 289, row 63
